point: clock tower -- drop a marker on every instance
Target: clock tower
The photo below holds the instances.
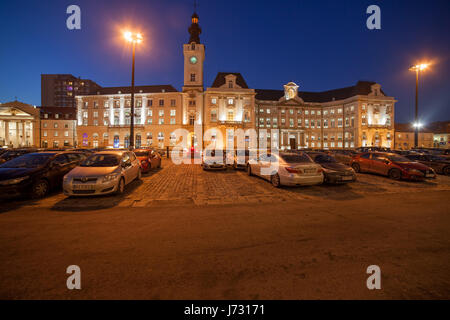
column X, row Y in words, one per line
column 194, row 55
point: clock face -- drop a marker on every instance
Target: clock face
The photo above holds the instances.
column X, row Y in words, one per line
column 193, row 59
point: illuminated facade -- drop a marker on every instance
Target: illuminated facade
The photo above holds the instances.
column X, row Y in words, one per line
column 360, row 115
column 19, row 125
column 58, row 127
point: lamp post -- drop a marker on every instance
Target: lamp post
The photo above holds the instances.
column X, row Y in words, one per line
column 417, row 68
column 133, row 38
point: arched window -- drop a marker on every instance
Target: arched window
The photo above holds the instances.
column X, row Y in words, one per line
column 116, row 141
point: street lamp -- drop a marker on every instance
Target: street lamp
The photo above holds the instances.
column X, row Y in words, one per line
column 133, row 38
column 417, row 68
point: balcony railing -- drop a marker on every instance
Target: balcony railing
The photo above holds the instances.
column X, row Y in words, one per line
column 125, row 125
column 230, row 122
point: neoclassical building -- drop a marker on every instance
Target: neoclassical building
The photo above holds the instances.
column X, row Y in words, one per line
column 19, row 124
column 229, row 112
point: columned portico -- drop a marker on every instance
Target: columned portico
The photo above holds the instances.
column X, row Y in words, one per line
column 18, row 123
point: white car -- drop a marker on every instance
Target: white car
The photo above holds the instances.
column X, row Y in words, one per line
column 102, row 173
column 286, row 168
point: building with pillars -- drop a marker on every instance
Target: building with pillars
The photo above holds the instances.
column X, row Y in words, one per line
column 19, row 124
column 359, row 115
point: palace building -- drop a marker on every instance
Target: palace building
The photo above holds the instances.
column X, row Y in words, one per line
column 19, row 125
column 359, row 115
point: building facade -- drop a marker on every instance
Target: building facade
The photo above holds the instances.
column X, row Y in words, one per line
column 229, row 112
column 19, row 125
column 58, row 127
column 59, row 90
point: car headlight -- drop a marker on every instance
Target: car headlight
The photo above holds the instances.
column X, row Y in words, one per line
column 110, row 177
column 329, row 171
column 13, row 181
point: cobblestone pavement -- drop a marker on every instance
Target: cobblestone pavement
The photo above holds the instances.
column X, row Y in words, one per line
column 188, row 184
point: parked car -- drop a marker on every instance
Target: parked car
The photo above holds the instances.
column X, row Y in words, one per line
column 334, row 172
column 103, row 173
column 344, row 156
column 148, row 158
column 37, row 173
column 440, row 164
column 392, row 165
column 214, row 160
column 289, row 168
column 14, row 153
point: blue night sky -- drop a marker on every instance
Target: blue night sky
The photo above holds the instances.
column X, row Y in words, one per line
column 318, row 44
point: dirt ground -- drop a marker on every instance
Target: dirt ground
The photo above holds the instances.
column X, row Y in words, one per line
column 289, row 243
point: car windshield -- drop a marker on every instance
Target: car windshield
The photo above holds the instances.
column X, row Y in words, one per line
column 141, row 153
column 296, row 158
column 101, row 160
column 397, row 158
column 323, row 158
column 30, row 160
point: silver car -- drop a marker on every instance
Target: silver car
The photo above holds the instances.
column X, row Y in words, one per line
column 102, row 173
column 290, row 169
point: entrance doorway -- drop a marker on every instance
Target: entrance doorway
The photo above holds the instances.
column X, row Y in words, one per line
column 292, row 143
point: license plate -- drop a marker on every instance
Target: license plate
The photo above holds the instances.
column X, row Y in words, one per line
column 83, row 187
column 347, row 178
column 429, row 175
column 310, row 170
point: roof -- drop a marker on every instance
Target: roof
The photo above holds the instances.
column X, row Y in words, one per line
column 21, row 106
column 220, row 79
column 361, row 88
column 440, row 126
column 137, row 89
column 408, row 127
column 70, row 111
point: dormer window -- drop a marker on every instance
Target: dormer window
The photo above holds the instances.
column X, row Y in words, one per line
column 230, row 84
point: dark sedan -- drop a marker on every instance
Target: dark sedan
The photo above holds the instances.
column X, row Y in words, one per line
column 334, row 171
column 36, row 173
column 440, row 164
column 14, row 153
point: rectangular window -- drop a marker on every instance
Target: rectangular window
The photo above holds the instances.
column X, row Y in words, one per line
column 161, row 102
column 213, row 115
column 95, row 114
column 213, row 100
column 149, row 120
column 192, row 77
column 161, row 113
column 149, row 102
column 161, row 121
column 172, row 112
column 172, row 102
column 172, row 120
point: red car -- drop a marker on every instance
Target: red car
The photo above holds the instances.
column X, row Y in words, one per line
column 392, row 165
column 148, row 158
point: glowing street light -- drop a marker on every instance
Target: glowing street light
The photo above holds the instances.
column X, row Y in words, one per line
column 417, row 68
column 134, row 38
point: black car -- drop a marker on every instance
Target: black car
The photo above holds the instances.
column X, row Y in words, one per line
column 14, row 153
column 440, row 164
column 334, row 172
column 37, row 173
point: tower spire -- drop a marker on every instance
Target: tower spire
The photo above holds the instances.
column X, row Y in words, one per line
column 194, row 30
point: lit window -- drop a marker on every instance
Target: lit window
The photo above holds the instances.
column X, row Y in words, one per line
column 172, row 112
column 231, row 101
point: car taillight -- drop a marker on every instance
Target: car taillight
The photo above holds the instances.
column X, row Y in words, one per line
column 292, row 170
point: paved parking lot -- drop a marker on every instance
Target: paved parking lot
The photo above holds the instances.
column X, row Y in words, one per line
column 181, row 185
column 182, row 233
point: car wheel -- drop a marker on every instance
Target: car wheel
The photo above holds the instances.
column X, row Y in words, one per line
column 275, row 179
column 356, row 167
column 395, row 174
column 121, row 186
column 446, row 171
column 39, row 189
column 249, row 170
